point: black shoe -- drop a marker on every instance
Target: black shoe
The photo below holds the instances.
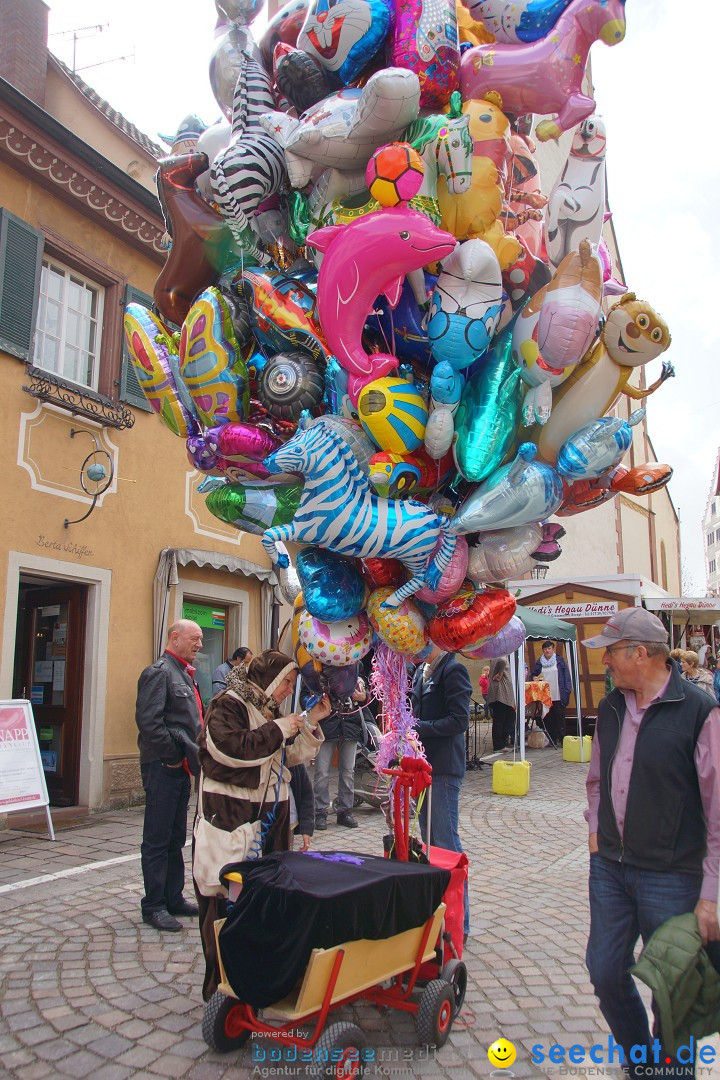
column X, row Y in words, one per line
column 184, row 908
column 321, row 822
column 162, row 920
column 347, row 820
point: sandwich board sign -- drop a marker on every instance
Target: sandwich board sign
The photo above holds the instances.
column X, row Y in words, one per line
column 22, row 780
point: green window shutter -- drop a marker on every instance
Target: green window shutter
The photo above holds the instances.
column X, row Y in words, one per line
column 129, row 386
column 21, row 249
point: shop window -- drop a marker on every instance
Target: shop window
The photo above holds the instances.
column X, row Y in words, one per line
column 68, row 332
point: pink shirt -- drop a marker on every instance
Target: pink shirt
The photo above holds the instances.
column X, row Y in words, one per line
column 707, row 763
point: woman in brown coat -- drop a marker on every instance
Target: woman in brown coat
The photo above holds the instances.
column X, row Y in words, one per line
column 242, row 763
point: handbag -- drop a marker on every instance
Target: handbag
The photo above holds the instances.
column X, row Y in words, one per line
column 215, row 848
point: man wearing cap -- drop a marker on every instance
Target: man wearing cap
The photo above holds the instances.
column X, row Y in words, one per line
column 653, row 816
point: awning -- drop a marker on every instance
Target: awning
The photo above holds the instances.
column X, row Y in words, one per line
column 540, row 626
column 166, row 576
column 702, row 608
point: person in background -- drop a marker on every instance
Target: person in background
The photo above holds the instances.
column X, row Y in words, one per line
column 246, row 749
column 483, row 683
column 243, row 655
column 555, row 671
column 676, row 656
column 441, row 693
column 694, row 673
column 716, row 680
column 302, row 805
column 168, row 714
column 702, row 654
column 653, row 817
column 342, row 731
column 501, row 702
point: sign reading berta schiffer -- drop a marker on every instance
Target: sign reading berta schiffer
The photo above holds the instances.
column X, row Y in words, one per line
column 595, row 609
column 22, row 780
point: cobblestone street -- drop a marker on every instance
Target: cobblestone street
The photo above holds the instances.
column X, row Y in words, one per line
column 87, row 990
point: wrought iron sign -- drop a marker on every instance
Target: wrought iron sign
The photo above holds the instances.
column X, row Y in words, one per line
column 47, row 387
column 96, row 473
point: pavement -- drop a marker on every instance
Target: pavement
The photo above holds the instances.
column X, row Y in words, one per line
column 88, row 990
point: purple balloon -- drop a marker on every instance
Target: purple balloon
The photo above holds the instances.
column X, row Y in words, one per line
column 506, row 641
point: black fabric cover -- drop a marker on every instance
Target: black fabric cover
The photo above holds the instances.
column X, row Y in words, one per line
column 293, row 902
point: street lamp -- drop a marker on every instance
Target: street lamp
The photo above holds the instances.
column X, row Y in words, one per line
column 539, row 572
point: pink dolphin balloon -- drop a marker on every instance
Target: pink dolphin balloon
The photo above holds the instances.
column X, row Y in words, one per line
column 368, row 257
column 452, row 578
column 546, row 76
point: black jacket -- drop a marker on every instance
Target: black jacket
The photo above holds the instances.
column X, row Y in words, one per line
column 165, row 699
column 664, row 823
column 442, row 707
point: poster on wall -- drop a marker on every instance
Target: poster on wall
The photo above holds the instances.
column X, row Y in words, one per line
column 22, row 779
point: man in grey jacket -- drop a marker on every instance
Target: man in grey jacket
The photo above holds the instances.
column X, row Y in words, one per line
column 168, row 714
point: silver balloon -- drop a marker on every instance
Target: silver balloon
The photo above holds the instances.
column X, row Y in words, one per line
column 225, row 62
column 354, row 435
column 503, row 554
column 211, row 142
column 239, row 11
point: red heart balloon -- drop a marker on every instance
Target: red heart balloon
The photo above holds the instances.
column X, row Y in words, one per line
column 470, row 617
column 379, row 572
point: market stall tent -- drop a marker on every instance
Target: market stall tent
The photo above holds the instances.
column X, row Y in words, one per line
column 539, row 627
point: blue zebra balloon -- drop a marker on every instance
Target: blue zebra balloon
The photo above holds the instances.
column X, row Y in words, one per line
column 517, row 494
column 339, row 511
column 332, row 588
column 597, row 447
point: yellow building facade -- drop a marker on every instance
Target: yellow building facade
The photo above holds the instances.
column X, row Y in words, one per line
column 85, row 604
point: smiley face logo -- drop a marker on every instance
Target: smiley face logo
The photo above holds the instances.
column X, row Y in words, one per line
column 501, row 1054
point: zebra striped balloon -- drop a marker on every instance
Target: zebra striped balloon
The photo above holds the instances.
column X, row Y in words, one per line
column 252, row 167
column 339, row 511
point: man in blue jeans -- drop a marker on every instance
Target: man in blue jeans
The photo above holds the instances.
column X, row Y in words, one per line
column 653, row 817
column 441, row 693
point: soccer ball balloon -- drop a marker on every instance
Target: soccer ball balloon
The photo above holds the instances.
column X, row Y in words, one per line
column 394, row 174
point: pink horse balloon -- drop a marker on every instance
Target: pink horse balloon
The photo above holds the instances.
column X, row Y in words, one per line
column 546, row 76
column 369, row 256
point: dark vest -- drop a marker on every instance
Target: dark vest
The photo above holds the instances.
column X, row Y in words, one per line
column 664, row 821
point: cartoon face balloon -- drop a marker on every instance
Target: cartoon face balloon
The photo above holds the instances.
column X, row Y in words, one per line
column 336, row 643
column 466, row 305
column 342, row 35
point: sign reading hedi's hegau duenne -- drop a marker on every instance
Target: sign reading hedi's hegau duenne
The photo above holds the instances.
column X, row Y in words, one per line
column 22, row 780
column 591, row 609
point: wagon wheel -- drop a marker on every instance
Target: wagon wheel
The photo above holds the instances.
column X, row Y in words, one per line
column 339, row 1052
column 455, row 973
column 222, row 1029
column 435, row 1013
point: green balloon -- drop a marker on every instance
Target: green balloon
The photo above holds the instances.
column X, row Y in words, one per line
column 489, row 413
column 255, row 506
column 298, row 217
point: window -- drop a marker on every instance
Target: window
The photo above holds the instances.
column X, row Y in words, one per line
column 711, row 566
column 68, row 329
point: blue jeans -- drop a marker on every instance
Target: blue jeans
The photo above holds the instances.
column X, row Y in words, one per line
column 167, row 794
column 444, row 831
column 626, row 903
column 346, row 748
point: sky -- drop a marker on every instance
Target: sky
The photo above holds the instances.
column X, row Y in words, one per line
column 655, row 91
